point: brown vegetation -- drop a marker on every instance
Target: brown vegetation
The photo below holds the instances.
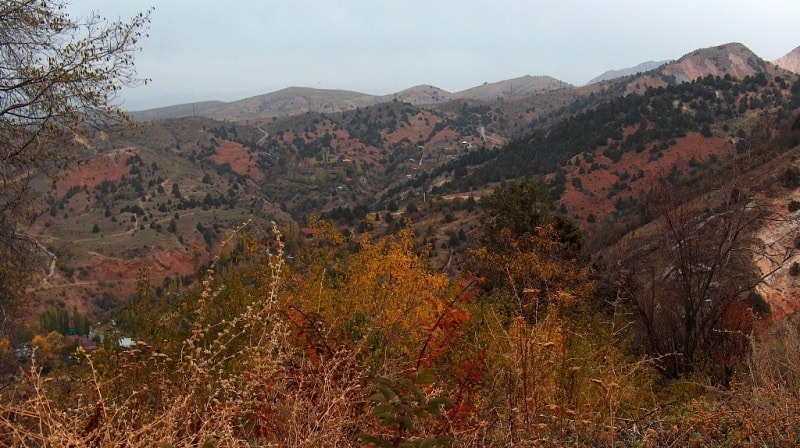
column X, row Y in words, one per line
column 265, row 355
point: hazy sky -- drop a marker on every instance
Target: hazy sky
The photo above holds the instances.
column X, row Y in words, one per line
column 228, row 50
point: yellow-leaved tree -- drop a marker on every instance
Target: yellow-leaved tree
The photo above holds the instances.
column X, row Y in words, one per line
column 382, row 293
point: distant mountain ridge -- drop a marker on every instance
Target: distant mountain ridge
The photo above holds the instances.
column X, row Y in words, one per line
column 512, row 87
column 297, row 100
column 732, row 59
column 612, row 74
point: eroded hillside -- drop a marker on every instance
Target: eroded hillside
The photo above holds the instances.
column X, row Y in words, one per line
column 166, row 196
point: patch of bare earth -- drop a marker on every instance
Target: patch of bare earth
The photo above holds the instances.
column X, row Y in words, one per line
column 110, row 166
column 595, row 191
column 239, row 159
column 161, row 264
column 421, row 127
column 99, row 274
column 776, row 238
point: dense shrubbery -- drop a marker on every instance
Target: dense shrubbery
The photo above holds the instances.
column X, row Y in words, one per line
column 361, row 342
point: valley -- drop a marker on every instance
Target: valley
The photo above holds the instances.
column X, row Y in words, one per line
column 524, row 262
column 554, row 257
column 164, row 196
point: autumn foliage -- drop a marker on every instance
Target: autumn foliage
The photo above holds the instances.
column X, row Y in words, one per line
column 362, row 343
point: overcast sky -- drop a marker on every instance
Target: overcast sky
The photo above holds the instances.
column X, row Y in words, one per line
column 232, row 49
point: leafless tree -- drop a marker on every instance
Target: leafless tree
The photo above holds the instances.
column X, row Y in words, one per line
column 691, row 276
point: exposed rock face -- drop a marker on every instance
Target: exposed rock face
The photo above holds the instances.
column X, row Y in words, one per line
column 790, row 62
column 730, row 59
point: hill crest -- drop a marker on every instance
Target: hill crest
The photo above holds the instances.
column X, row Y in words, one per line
column 790, row 61
column 640, row 68
column 298, row 100
column 512, row 87
column 733, row 59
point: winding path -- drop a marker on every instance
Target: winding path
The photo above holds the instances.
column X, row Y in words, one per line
column 52, row 262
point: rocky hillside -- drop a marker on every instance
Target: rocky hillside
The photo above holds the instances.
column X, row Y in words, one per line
column 167, row 196
column 791, row 61
column 732, row 59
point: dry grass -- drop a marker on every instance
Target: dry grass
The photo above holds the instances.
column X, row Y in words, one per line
column 249, row 380
column 240, row 382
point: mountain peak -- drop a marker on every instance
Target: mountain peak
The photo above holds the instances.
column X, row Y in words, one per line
column 733, row 59
column 791, row 61
column 512, row 87
column 422, row 94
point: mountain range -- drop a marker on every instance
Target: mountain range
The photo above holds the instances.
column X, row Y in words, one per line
column 297, row 100
column 165, row 196
column 734, row 59
column 640, row 68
